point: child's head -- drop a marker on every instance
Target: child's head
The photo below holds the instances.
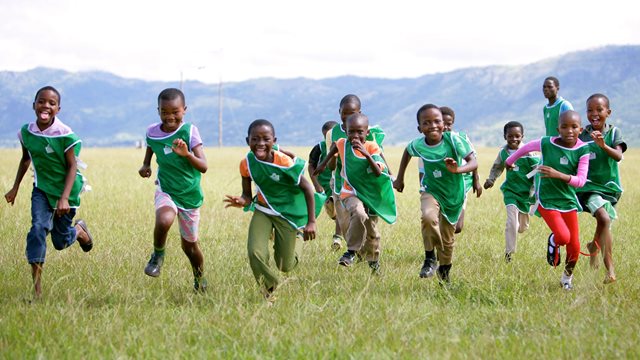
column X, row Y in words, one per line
column 46, row 104
column 430, row 123
column 598, row 110
column 448, row 117
column 171, row 108
column 349, row 105
column 357, row 127
column 513, row 133
column 261, row 137
column 550, row 87
column 569, row 127
column 328, row 126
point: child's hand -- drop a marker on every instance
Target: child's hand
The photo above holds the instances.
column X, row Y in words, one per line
column 235, row 201
column 357, row 145
column 477, row 189
column 145, row 171
column 62, row 207
column 398, row 185
column 309, row 231
column 10, row 196
column 319, row 189
column 319, row 169
column 452, row 165
column 597, row 138
column 549, row 172
column 509, row 167
column 180, row 147
column 488, row 184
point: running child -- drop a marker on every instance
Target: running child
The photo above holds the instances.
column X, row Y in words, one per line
column 517, row 186
column 603, row 189
column 366, row 192
column 52, row 147
column 564, row 166
column 284, row 205
column 322, row 183
column 181, row 161
column 556, row 105
column 442, row 191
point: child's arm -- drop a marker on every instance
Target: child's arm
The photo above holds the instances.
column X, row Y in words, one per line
column 471, row 165
column 496, row 170
column 398, row 183
column 323, row 164
column 614, row 153
column 309, row 230
column 242, row 200
column 313, row 162
column 357, row 145
column 524, row 149
column 196, row 158
column 145, row 170
column 62, row 206
column 23, row 166
column 477, row 188
column 386, row 163
column 576, row 181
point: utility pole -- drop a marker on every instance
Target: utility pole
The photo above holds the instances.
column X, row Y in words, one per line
column 220, row 112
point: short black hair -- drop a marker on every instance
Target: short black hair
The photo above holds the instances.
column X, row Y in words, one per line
column 601, row 96
column 554, row 79
column 512, row 124
column 50, row 88
column 445, row 110
column 261, row 122
column 329, row 125
column 356, row 116
column 170, row 94
column 426, row 107
column 350, row 98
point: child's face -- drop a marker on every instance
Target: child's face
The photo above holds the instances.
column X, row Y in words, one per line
column 46, row 106
column 569, row 127
column 261, row 142
column 171, row 113
column 448, row 122
column 357, row 130
column 514, row 137
column 347, row 110
column 549, row 89
column 597, row 112
column 430, row 123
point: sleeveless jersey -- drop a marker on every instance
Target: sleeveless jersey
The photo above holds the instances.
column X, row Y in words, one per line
column 325, row 177
column 552, row 115
column 516, row 188
column 604, row 175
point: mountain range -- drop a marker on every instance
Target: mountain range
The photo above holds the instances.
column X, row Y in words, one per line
column 107, row 110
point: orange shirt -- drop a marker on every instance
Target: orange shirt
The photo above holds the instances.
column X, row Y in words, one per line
column 371, row 147
column 279, row 158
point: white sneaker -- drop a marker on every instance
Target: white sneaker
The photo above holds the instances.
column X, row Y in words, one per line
column 337, row 243
column 565, row 281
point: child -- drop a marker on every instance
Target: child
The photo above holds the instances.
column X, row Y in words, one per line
column 53, row 148
column 284, row 204
column 556, row 106
column 517, row 186
column 603, row 189
column 322, row 182
column 442, row 191
column 181, row 161
column 564, row 166
column 350, row 104
column 365, row 194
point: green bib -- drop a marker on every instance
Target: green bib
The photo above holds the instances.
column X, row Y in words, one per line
column 516, row 188
column 604, row 176
column 555, row 194
column 325, row 177
column 50, row 164
column 280, row 188
column 551, row 117
column 447, row 188
column 376, row 192
column 176, row 176
column 468, row 177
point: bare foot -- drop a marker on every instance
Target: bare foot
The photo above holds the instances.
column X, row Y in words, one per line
column 609, row 279
column 593, row 252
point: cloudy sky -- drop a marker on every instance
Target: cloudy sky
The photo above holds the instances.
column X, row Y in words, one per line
column 243, row 39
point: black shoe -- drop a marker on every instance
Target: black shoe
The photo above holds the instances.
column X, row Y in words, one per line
column 200, row 284
column 347, row 259
column 508, row 257
column 428, row 268
column 443, row 274
column 154, row 265
column 375, row 266
column 553, row 252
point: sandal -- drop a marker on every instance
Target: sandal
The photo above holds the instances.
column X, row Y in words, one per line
column 88, row 246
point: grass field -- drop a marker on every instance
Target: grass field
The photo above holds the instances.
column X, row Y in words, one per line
column 101, row 305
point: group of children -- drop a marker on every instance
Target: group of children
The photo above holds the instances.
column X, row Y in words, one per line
column 567, row 170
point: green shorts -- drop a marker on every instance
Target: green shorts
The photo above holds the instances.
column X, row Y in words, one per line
column 592, row 202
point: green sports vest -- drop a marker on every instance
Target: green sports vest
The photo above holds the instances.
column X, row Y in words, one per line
column 556, row 194
column 604, row 175
column 447, row 188
column 551, row 117
column 516, row 187
column 176, row 176
column 50, row 165
column 468, row 177
column 325, row 177
column 376, row 192
column 280, row 188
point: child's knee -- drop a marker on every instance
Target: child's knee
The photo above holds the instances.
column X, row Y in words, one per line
column 602, row 217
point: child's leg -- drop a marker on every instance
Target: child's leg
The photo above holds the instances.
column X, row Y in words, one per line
column 605, row 240
column 41, row 225
column 511, row 229
column 430, row 222
column 63, row 233
column 371, row 248
column 36, row 275
column 342, row 214
column 557, row 225
column 358, row 216
column 573, row 247
column 523, row 222
column 460, row 223
column 287, row 247
column 166, row 212
column 189, row 220
column 447, row 231
column 260, row 229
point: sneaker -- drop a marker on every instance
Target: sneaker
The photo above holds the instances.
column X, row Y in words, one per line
column 428, row 268
column 375, row 266
column 565, row 281
column 200, row 284
column 347, row 259
column 553, row 252
column 508, row 257
column 153, row 266
column 337, row 243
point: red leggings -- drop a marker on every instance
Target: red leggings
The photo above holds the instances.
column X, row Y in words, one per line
column 566, row 231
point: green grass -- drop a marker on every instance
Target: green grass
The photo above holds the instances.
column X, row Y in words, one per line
column 101, row 305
